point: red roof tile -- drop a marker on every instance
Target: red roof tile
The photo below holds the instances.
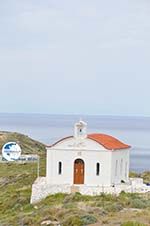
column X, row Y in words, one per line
column 108, row 141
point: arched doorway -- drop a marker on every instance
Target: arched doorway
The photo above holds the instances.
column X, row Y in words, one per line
column 79, row 171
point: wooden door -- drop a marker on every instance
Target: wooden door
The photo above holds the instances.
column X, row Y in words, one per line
column 78, row 171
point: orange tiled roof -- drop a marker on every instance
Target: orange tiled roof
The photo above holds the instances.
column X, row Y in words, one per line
column 109, row 142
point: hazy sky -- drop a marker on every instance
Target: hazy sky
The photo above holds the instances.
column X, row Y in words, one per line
column 75, row 56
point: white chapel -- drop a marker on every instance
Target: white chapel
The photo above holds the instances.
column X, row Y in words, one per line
column 87, row 159
column 85, row 163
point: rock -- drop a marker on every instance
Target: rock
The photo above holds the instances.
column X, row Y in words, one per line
column 49, row 222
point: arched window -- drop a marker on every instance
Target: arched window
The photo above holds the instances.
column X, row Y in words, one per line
column 126, row 168
column 97, row 169
column 60, row 168
column 116, row 168
column 121, row 167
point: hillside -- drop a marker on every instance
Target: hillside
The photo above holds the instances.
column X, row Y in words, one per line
column 28, row 145
column 70, row 210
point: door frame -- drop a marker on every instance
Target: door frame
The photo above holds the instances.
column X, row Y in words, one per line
column 80, row 179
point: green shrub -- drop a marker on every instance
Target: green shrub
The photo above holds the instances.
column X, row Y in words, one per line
column 124, row 199
column 138, row 203
column 131, row 223
column 68, row 199
column 88, row 219
column 79, row 221
column 107, row 197
column 73, row 221
column 70, row 205
column 146, row 176
column 147, row 202
column 134, row 174
column 98, row 204
column 113, row 207
column 54, row 199
column 77, row 197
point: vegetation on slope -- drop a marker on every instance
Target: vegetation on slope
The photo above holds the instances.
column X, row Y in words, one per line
column 74, row 209
column 28, row 145
column 70, row 210
column 145, row 175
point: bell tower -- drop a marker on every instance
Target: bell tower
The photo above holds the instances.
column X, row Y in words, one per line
column 80, row 130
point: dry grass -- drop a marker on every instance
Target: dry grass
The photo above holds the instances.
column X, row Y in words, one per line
column 76, row 210
column 73, row 209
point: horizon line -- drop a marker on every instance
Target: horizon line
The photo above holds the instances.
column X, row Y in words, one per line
column 76, row 114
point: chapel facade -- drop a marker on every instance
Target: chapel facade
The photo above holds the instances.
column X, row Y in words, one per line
column 87, row 159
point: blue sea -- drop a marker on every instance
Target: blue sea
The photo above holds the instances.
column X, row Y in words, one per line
column 134, row 131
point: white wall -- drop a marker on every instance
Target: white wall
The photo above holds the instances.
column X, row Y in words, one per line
column 120, row 171
column 72, row 143
column 68, row 150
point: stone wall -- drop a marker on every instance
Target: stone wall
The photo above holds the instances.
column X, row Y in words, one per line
column 40, row 189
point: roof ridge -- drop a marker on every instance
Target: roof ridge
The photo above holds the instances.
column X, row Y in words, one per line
column 107, row 141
